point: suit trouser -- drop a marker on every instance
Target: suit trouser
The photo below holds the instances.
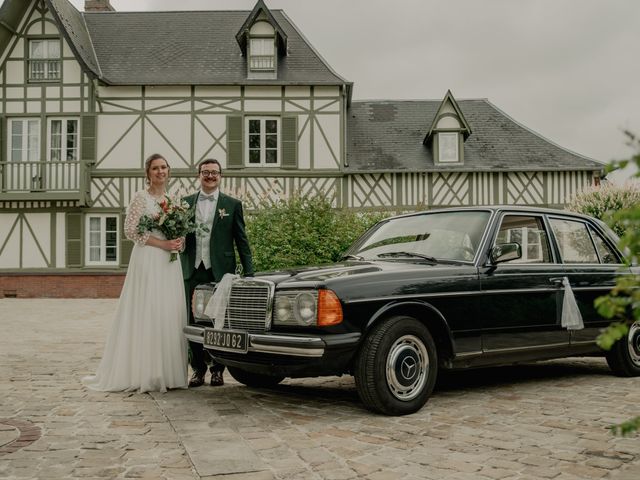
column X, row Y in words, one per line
column 198, row 358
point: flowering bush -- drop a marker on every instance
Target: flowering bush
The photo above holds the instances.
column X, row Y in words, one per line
column 602, row 201
column 176, row 219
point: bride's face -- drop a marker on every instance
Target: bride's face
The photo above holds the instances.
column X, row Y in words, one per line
column 158, row 172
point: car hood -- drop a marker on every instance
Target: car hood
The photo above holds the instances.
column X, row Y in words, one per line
column 353, row 271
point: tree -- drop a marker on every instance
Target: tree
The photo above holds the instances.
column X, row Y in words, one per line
column 623, row 303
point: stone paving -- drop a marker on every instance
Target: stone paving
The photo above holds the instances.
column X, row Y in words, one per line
column 534, row 421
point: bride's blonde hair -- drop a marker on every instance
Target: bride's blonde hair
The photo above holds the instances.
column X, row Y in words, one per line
column 147, row 166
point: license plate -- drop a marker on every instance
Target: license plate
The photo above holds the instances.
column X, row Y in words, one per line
column 227, row 340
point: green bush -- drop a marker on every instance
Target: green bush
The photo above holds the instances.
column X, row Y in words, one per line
column 603, row 201
column 303, row 230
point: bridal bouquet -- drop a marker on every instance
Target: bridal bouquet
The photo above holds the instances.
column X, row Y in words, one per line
column 176, row 219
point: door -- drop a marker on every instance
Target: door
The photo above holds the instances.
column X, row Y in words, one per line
column 520, row 308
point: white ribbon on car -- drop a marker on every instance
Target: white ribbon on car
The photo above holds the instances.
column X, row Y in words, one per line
column 217, row 306
column 571, row 317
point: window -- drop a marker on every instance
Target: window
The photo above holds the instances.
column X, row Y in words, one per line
column 44, row 60
column 262, row 54
column 574, row 241
column 102, row 240
column 263, row 138
column 605, row 252
column 448, row 147
column 24, row 144
column 529, row 233
column 63, row 140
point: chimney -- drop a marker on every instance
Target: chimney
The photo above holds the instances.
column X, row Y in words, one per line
column 98, row 6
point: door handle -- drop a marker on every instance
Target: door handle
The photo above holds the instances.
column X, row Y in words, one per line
column 557, row 281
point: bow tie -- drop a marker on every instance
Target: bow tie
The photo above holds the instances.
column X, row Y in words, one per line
column 204, row 198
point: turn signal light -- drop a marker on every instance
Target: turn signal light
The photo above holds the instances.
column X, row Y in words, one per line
column 329, row 308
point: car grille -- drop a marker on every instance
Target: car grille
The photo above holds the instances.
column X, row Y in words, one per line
column 249, row 306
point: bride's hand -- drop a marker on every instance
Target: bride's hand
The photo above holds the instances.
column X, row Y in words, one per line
column 173, row 245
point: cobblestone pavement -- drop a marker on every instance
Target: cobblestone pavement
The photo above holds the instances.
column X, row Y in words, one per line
column 535, row 421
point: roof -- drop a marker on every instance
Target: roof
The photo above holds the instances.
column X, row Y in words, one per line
column 387, row 135
column 182, row 48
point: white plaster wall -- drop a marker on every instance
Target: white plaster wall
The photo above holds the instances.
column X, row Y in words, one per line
column 256, row 107
column 170, row 136
column 326, row 91
column 60, row 240
column 205, row 126
column 40, row 224
column 126, row 154
column 262, row 92
column 10, row 256
column 221, row 91
column 304, row 143
column 118, row 92
column 323, row 157
column 167, row 91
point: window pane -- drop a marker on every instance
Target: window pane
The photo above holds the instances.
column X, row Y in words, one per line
column 271, row 141
column 254, row 156
column 111, row 224
column 111, row 254
column 37, row 49
column 574, row 241
column 271, row 126
column 53, row 49
column 94, row 254
column 530, row 234
column 271, row 156
column 254, row 141
column 607, row 255
column 254, row 126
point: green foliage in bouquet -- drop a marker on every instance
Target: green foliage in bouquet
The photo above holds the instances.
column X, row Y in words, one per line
column 176, row 219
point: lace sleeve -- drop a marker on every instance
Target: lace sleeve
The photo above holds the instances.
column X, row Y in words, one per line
column 134, row 212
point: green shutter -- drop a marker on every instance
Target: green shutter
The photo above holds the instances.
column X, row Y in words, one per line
column 289, row 142
column 234, row 142
column 88, row 132
column 126, row 245
column 74, row 240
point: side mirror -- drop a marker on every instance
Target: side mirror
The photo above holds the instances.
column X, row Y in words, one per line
column 505, row 252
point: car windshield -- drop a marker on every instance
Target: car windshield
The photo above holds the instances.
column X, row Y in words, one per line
column 436, row 236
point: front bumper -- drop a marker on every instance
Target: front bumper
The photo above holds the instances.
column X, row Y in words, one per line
column 312, row 346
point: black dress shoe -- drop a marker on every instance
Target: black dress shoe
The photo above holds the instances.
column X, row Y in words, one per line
column 216, row 379
column 197, row 379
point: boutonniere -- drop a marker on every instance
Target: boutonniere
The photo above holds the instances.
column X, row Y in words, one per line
column 222, row 213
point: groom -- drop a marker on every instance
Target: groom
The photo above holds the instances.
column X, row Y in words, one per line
column 207, row 257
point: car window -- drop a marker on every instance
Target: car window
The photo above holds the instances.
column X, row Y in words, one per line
column 450, row 236
column 607, row 255
column 528, row 232
column 574, row 241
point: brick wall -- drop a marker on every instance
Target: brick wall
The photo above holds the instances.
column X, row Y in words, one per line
column 92, row 285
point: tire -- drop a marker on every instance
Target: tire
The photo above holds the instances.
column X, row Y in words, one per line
column 624, row 356
column 254, row 380
column 390, row 348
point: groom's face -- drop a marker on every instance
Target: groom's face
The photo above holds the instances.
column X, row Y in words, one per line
column 209, row 177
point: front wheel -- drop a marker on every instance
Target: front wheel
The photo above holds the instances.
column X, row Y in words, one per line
column 624, row 356
column 254, row 380
column 396, row 368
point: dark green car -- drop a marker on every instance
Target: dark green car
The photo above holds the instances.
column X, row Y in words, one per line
column 444, row 289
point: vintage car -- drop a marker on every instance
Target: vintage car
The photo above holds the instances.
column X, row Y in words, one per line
column 442, row 289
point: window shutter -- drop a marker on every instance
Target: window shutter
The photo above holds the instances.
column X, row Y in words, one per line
column 126, row 245
column 234, row 142
column 74, row 240
column 289, row 142
column 88, row 132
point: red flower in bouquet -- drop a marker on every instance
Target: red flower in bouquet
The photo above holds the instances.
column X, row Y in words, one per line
column 176, row 219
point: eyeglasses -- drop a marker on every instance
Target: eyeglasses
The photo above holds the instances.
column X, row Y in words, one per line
column 209, row 173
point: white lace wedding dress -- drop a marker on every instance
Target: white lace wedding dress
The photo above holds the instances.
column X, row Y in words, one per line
column 146, row 350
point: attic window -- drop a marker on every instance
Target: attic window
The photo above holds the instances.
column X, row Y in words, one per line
column 262, row 54
column 44, row 60
column 448, row 147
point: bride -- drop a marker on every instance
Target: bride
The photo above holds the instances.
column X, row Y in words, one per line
column 145, row 349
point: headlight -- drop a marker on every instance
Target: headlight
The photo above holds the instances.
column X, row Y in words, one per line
column 295, row 307
column 307, row 308
column 199, row 302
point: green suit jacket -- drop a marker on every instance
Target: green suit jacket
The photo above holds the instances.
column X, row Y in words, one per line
column 228, row 228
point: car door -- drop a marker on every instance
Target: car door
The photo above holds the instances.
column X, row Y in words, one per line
column 520, row 309
column 591, row 263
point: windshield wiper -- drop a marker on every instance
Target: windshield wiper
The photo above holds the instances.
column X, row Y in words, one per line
column 352, row 257
column 428, row 258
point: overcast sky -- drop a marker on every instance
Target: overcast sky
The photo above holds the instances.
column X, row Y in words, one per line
column 567, row 69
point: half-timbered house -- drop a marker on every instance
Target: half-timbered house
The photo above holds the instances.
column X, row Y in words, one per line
column 85, row 97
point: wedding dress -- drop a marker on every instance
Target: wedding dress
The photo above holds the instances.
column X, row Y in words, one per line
column 146, row 349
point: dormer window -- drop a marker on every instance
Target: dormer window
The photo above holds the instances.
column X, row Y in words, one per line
column 262, row 50
column 448, row 151
column 44, row 60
